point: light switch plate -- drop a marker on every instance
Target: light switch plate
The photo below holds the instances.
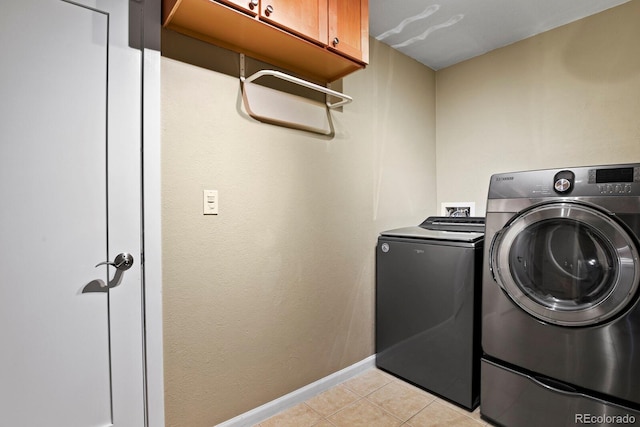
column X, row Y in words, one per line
column 210, row 202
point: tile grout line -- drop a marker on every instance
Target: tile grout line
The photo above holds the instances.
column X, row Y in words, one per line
column 366, row 397
column 370, row 386
column 393, row 415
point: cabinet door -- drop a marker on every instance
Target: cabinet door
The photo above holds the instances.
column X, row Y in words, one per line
column 307, row 18
column 349, row 28
column 250, row 6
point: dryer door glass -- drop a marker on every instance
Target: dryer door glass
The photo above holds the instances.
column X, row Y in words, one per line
column 566, row 264
column 563, row 264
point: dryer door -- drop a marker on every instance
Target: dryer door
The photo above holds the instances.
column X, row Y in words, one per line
column 566, row 264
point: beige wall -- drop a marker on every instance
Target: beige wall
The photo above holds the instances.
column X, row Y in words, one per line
column 277, row 290
column 568, row 97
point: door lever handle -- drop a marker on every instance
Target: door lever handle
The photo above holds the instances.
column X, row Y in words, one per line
column 122, row 262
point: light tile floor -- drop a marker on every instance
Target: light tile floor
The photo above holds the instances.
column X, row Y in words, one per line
column 375, row 399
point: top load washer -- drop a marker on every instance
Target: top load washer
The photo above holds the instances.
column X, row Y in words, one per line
column 560, row 312
column 428, row 306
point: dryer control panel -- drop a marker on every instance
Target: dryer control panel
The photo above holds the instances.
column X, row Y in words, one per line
column 612, row 180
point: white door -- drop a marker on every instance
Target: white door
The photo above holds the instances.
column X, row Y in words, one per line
column 71, row 338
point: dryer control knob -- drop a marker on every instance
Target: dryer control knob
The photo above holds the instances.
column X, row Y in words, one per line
column 563, row 181
column 562, row 185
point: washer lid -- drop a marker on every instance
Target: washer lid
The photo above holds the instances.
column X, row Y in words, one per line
column 454, row 223
column 421, row 233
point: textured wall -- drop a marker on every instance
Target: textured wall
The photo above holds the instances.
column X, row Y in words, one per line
column 277, row 290
column 567, row 97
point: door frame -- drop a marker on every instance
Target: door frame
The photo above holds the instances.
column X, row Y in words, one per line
column 144, row 34
column 151, row 241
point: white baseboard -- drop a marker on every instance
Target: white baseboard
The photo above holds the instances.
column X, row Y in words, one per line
column 269, row 409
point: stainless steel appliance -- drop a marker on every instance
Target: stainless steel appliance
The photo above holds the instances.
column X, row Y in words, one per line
column 560, row 312
column 428, row 306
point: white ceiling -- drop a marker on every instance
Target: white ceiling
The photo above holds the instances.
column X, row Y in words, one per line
column 440, row 33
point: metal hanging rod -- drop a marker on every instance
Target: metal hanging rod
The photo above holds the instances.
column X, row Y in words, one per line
column 280, row 75
column 283, row 76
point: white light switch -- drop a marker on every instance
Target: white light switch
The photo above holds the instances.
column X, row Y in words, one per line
column 210, row 202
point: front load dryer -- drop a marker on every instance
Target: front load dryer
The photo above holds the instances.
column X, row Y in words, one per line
column 560, row 312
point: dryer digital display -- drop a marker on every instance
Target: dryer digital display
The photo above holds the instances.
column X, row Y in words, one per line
column 621, row 175
column 606, row 176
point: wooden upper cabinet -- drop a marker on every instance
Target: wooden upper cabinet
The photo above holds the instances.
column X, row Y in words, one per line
column 297, row 35
column 349, row 28
column 306, row 18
